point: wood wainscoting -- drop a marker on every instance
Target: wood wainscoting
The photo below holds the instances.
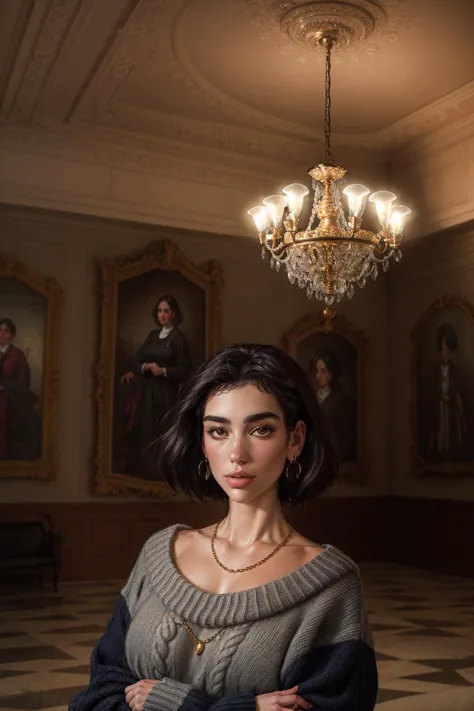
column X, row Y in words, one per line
column 437, row 534
column 101, row 541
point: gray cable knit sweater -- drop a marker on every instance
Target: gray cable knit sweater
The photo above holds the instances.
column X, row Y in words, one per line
column 308, row 629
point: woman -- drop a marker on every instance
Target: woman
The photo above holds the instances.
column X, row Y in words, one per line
column 326, row 371
column 20, row 427
column 161, row 365
column 246, row 614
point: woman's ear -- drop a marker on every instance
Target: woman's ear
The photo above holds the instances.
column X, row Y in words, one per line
column 297, row 439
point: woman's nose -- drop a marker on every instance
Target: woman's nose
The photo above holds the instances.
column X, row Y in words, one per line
column 238, row 453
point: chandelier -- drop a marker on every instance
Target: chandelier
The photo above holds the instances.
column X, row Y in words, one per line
column 332, row 253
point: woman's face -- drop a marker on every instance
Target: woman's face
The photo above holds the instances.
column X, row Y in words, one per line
column 323, row 374
column 165, row 314
column 246, row 442
column 5, row 334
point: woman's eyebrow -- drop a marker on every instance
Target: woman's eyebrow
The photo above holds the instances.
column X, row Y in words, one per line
column 248, row 420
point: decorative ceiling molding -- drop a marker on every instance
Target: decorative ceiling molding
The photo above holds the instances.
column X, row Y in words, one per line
column 55, row 23
column 239, row 134
column 71, row 40
column 113, row 69
column 246, row 143
column 288, row 26
column 456, row 106
column 137, row 153
column 420, row 128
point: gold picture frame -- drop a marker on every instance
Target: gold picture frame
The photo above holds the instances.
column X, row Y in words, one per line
column 160, row 257
column 352, row 346
column 50, row 292
column 443, row 449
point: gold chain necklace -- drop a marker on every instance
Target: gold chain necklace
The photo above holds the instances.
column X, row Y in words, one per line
column 243, row 570
column 199, row 643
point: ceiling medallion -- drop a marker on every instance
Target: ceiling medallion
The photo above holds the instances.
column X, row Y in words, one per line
column 332, row 253
column 291, row 26
column 350, row 22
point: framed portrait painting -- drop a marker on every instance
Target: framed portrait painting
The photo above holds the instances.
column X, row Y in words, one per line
column 443, row 389
column 331, row 353
column 161, row 318
column 30, row 316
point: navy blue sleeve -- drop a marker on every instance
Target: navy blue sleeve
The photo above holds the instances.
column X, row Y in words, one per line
column 110, row 673
column 336, row 677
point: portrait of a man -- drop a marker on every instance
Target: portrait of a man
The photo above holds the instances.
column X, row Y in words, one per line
column 444, row 387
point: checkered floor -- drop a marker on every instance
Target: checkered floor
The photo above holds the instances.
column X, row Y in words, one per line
column 423, row 627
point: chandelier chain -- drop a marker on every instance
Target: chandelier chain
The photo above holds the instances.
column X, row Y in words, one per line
column 328, row 159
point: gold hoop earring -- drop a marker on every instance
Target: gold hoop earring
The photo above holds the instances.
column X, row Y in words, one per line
column 298, row 473
column 207, row 471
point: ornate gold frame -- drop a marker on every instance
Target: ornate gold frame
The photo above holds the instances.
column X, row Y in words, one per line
column 419, row 466
column 329, row 322
column 161, row 255
column 44, row 467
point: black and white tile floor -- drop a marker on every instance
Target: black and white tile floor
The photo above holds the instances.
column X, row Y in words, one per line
column 423, row 628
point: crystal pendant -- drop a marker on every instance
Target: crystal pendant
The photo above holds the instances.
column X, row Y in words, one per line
column 264, row 252
column 361, row 282
column 397, row 255
column 277, row 265
column 350, row 291
column 385, row 265
column 309, row 291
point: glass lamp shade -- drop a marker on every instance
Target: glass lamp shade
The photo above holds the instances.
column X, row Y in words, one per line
column 356, row 199
column 260, row 218
column 295, row 194
column 398, row 219
column 383, row 204
column 275, row 205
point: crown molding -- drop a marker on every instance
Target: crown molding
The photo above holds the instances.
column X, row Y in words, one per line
column 421, row 126
column 113, row 148
column 157, row 214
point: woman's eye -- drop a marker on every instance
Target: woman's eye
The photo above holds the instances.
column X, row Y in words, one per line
column 217, row 432
column 263, row 431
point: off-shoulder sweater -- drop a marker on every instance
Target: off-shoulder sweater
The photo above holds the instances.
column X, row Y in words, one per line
column 308, row 628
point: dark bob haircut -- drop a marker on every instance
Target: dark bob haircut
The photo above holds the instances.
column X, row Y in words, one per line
column 9, row 324
column 179, row 448
column 174, row 306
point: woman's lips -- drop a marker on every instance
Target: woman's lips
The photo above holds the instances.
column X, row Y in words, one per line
column 239, row 481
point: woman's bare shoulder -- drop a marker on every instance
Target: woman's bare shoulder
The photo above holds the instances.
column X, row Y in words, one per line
column 307, row 548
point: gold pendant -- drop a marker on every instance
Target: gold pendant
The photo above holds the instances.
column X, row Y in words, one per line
column 199, row 647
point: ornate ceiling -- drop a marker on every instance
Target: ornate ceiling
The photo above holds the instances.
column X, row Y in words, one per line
column 234, row 74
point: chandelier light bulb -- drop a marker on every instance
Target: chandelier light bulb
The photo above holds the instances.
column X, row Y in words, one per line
column 275, row 205
column 260, row 218
column 295, row 194
column 356, row 199
column 398, row 219
column 383, row 204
